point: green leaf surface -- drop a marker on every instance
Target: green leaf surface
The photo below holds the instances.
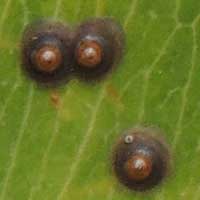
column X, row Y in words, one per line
column 61, row 152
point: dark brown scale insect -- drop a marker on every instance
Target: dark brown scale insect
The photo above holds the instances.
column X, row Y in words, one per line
column 140, row 160
column 98, row 47
column 46, row 54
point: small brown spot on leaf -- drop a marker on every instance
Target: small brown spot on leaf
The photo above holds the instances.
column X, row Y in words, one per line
column 55, row 98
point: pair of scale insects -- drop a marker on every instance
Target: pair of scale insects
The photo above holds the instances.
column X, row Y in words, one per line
column 52, row 52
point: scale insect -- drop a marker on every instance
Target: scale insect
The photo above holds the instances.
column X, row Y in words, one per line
column 140, row 159
column 98, row 47
column 46, row 54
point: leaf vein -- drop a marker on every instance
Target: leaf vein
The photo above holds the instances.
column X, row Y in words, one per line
column 44, row 161
column 184, row 101
column 18, row 143
column 149, row 71
column 130, row 14
column 83, row 145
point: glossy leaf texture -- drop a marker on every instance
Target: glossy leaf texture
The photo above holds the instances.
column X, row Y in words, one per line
column 56, row 144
